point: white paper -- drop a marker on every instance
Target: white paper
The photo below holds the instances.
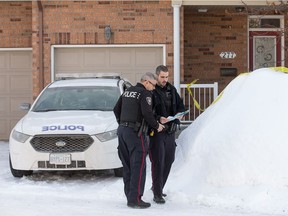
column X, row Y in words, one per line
column 178, row 115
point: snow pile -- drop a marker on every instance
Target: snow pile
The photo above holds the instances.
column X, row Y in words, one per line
column 236, row 153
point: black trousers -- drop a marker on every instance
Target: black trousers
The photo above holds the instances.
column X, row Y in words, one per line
column 162, row 155
column 132, row 152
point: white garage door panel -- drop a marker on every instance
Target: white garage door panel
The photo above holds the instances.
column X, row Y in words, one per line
column 3, row 61
column 4, row 106
column 144, row 58
column 130, row 62
column 20, row 60
column 94, row 58
column 4, row 128
column 15, row 87
column 121, row 58
column 130, row 76
column 20, row 84
column 3, row 84
column 68, row 58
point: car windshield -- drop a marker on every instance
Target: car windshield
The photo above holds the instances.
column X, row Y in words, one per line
column 78, row 98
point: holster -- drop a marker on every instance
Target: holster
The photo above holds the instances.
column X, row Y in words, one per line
column 143, row 128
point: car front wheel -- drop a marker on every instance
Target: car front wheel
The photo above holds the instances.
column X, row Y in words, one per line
column 18, row 173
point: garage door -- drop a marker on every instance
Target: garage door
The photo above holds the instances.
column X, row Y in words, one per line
column 130, row 62
column 15, row 87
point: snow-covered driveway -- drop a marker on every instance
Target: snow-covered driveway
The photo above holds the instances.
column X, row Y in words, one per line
column 86, row 194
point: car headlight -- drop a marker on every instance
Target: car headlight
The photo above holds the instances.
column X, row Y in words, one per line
column 103, row 137
column 20, row 137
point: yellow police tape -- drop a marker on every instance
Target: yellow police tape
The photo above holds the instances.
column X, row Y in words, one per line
column 197, row 105
column 280, row 69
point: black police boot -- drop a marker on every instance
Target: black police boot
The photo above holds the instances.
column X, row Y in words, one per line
column 159, row 199
column 163, row 194
column 140, row 205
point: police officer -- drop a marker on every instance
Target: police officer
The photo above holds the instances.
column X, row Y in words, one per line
column 167, row 102
column 134, row 114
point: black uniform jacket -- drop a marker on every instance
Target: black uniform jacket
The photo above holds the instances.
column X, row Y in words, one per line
column 160, row 105
column 134, row 105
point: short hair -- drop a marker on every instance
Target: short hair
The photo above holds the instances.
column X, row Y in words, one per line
column 148, row 76
column 161, row 68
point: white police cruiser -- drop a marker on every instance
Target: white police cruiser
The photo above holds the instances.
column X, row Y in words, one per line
column 70, row 126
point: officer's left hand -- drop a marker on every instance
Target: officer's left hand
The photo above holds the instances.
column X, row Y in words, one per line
column 160, row 127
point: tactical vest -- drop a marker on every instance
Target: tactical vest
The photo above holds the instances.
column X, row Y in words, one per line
column 131, row 111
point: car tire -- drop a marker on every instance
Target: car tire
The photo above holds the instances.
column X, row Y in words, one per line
column 19, row 173
column 118, row 172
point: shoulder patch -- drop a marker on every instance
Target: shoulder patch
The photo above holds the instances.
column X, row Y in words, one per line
column 149, row 100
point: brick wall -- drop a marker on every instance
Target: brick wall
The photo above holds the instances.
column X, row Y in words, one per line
column 15, row 24
column 206, row 36
column 83, row 22
column 203, row 35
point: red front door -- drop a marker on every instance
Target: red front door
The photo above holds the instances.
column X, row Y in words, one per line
column 264, row 49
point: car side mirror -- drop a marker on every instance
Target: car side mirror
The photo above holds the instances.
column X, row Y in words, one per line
column 25, row 106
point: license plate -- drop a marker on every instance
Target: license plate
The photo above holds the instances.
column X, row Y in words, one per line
column 62, row 159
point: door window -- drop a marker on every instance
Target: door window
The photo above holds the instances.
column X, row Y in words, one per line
column 264, row 51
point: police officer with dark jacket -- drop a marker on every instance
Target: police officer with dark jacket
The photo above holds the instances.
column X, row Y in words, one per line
column 167, row 102
column 134, row 114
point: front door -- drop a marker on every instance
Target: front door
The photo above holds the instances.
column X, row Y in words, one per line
column 264, row 49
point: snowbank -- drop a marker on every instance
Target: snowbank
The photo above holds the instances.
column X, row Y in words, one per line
column 235, row 153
